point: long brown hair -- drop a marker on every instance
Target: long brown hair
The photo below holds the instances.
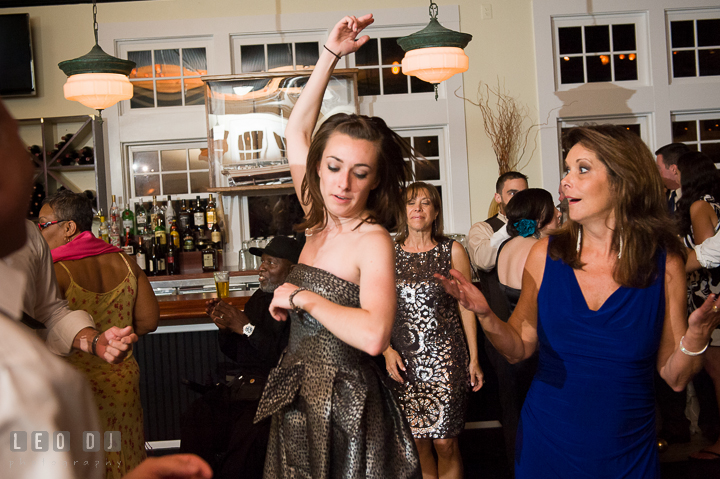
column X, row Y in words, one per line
column 385, row 201
column 433, row 194
column 641, row 216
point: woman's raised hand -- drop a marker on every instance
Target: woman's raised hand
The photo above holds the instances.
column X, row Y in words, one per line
column 343, row 37
column 463, row 290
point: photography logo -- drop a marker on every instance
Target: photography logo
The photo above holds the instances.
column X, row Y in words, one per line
column 59, row 441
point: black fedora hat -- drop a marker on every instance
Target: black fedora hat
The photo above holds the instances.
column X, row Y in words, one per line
column 282, row 247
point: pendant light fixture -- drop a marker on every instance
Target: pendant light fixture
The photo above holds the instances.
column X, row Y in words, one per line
column 97, row 80
column 435, row 53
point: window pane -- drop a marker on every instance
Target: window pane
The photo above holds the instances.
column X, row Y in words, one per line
column 391, row 51
column 708, row 32
column 427, row 145
column 143, row 95
column 143, row 64
column 145, row 162
column 306, row 54
column 250, row 145
column 625, row 67
column 199, row 182
column 426, row 170
column 684, row 131
column 175, row 184
column 683, row 34
column 683, row 64
column 279, row 55
column 194, row 61
column 168, row 93
column 173, row 160
column 624, row 37
column 633, row 129
column 571, row 70
column 710, row 130
column 394, row 83
column 597, row 39
column 367, row 54
column 570, row 40
column 194, row 92
column 252, row 58
column 598, row 68
column 147, row 185
column 197, row 162
column 709, row 62
column 368, row 82
column 167, row 63
column 419, row 86
column 712, row 150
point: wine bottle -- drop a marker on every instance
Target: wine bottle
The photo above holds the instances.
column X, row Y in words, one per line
column 141, row 256
column 173, row 258
column 210, row 213
column 158, row 258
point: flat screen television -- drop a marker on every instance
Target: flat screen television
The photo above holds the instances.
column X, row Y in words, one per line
column 17, row 70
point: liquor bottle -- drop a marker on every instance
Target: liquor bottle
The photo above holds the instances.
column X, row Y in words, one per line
column 156, row 215
column 141, row 256
column 141, row 219
column 114, row 211
column 185, row 216
column 174, row 234
column 216, row 236
column 160, row 234
column 128, row 220
column 210, row 213
column 114, row 234
column 173, row 258
column 198, row 215
column 188, row 239
column 158, row 258
column 169, row 214
column 129, row 247
column 209, row 258
column 103, row 231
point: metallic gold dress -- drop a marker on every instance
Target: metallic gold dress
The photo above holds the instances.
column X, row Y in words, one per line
column 332, row 414
column 429, row 337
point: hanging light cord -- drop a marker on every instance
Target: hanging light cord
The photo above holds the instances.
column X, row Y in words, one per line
column 95, row 24
column 433, row 9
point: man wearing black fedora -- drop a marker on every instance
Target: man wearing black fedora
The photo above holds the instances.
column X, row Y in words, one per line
column 234, row 446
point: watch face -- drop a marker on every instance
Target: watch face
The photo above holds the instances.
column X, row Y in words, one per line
column 248, row 329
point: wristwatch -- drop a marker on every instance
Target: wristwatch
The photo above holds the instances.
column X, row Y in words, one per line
column 248, row 329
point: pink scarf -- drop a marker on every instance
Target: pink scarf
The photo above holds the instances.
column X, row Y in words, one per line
column 83, row 245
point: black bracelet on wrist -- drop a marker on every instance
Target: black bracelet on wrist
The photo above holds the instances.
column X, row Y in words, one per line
column 95, row 340
column 335, row 54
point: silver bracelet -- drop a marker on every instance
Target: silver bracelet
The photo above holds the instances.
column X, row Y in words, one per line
column 292, row 295
column 690, row 353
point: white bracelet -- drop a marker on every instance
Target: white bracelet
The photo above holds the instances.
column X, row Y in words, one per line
column 690, row 353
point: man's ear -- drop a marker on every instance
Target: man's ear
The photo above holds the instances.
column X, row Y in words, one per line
column 498, row 198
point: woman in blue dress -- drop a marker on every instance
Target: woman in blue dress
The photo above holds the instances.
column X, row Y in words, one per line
column 603, row 300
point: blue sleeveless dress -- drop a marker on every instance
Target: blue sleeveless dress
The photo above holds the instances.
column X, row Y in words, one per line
column 590, row 412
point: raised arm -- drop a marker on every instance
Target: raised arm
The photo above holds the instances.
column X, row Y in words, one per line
column 298, row 133
column 368, row 327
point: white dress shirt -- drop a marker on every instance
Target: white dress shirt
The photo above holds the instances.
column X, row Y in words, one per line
column 482, row 253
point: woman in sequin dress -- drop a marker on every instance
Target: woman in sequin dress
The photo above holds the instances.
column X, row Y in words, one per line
column 603, row 301
column 332, row 414
column 428, row 357
column 697, row 213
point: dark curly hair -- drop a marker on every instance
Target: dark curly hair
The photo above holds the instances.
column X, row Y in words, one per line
column 385, row 202
column 69, row 206
column 698, row 177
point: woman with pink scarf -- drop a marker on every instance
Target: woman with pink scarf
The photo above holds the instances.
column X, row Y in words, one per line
column 100, row 279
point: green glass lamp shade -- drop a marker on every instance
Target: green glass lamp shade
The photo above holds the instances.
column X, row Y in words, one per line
column 434, row 35
column 96, row 61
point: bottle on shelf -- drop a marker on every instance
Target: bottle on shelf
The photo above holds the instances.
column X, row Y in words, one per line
column 185, row 216
column 141, row 255
column 103, row 232
column 114, row 234
column 158, row 258
column 160, row 234
column 156, row 215
column 188, row 239
column 169, row 214
column 209, row 258
column 129, row 246
column 173, row 258
column 141, row 219
column 128, row 220
column 216, row 236
column 198, row 215
column 210, row 213
column 114, row 211
column 174, row 234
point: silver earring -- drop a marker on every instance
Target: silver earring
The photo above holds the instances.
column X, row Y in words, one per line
column 579, row 243
column 621, row 247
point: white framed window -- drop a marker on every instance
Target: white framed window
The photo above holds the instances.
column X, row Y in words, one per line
column 252, row 53
column 600, row 49
column 700, row 131
column 178, row 169
column 694, row 39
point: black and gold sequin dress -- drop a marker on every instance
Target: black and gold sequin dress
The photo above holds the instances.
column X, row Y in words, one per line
column 429, row 337
column 332, row 414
